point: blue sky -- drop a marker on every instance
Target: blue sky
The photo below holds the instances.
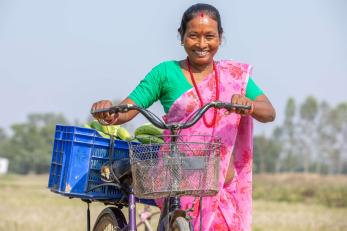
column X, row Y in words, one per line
column 61, row 56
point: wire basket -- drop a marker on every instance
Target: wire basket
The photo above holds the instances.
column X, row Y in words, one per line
column 182, row 166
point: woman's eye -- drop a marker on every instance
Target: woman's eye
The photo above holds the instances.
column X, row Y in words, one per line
column 209, row 37
column 193, row 36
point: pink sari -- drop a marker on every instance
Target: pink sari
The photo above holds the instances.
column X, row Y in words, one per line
column 231, row 208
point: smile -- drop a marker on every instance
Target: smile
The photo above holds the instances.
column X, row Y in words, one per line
column 201, row 53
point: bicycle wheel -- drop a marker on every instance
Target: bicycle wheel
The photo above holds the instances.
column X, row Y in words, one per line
column 180, row 224
column 110, row 219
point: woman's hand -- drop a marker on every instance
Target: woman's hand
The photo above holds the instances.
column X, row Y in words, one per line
column 104, row 118
column 261, row 108
column 242, row 100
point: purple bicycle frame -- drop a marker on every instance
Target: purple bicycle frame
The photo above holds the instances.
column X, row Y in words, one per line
column 132, row 211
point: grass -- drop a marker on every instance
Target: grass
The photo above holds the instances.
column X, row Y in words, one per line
column 284, row 216
column 327, row 190
column 27, row 204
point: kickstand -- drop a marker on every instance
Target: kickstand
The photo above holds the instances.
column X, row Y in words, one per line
column 88, row 214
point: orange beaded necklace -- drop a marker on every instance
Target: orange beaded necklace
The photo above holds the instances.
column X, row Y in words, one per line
column 213, row 121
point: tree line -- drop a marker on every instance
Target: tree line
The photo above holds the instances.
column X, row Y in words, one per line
column 312, row 138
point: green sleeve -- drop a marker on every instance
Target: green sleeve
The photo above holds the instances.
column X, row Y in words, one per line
column 252, row 90
column 148, row 90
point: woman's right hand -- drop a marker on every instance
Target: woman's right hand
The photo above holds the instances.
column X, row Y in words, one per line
column 105, row 118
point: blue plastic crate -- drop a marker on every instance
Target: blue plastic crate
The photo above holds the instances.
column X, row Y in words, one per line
column 77, row 156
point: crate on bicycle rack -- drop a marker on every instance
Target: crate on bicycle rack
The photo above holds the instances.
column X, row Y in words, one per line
column 77, row 156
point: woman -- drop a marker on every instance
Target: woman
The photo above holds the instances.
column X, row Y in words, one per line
column 182, row 87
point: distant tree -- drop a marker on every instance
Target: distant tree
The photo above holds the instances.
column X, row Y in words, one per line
column 325, row 137
column 338, row 154
column 307, row 135
column 313, row 140
column 30, row 147
column 3, row 141
column 266, row 153
column 3, row 135
column 286, row 135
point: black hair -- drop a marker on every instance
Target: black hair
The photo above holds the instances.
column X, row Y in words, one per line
column 194, row 11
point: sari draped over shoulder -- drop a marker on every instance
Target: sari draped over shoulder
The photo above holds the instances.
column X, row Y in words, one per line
column 231, row 208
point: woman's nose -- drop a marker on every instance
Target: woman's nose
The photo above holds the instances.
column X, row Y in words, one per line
column 202, row 42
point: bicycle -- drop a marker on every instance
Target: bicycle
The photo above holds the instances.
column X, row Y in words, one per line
column 177, row 158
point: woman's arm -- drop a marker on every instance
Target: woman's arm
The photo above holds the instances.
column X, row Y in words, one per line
column 262, row 109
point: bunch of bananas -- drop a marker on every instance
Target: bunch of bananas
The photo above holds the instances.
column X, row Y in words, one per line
column 148, row 133
column 106, row 131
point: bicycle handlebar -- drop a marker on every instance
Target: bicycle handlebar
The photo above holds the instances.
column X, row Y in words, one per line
column 160, row 124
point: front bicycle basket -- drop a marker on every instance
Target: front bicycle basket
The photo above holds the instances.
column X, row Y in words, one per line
column 189, row 166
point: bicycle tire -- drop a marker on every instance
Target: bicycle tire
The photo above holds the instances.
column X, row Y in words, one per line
column 110, row 219
column 181, row 224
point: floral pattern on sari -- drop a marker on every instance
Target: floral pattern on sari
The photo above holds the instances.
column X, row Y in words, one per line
column 231, row 208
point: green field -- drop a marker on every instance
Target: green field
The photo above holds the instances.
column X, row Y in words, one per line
column 27, row 204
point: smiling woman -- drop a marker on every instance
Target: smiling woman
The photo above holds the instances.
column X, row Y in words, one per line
column 182, row 87
column 201, row 40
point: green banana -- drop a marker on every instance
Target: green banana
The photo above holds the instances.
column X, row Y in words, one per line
column 87, row 126
column 123, row 134
column 135, row 140
column 148, row 129
column 96, row 125
column 111, row 129
column 99, row 128
column 108, row 130
column 148, row 139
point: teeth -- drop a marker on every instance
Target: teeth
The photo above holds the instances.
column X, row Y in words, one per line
column 201, row 53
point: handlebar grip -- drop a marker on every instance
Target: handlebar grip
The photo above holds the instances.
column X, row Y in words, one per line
column 239, row 106
column 114, row 109
column 100, row 110
column 230, row 106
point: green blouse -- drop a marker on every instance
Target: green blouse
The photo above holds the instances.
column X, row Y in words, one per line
column 166, row 82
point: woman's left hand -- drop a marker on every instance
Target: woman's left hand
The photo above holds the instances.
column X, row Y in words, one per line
column 242, row 100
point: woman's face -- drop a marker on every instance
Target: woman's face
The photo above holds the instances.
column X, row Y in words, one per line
column 201, row 40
